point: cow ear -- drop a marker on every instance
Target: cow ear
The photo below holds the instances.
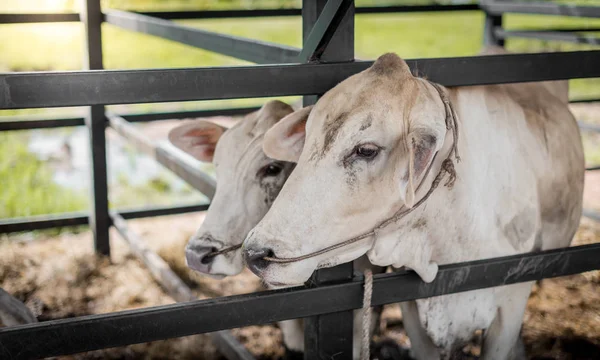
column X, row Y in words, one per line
column 285, row 140
column 198, row 138
column 421, row 150
column 271, row 113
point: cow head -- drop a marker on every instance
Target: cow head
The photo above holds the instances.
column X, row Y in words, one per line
column 361, row 150
column 247, row 183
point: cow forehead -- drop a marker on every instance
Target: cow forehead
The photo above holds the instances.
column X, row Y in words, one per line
column 236, row 145
column 358, row 103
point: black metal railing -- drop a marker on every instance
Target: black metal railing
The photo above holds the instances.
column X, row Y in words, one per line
column 328, row 38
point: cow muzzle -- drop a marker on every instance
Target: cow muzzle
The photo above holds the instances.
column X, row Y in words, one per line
column 198, row 259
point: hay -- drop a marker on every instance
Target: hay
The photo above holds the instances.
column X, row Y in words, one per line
column 63, row 278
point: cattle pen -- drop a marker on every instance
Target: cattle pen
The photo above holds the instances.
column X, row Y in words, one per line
column 326, row 58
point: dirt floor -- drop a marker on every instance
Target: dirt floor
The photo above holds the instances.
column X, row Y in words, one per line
column 60, row 277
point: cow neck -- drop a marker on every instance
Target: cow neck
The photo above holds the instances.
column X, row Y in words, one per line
column 447, row 167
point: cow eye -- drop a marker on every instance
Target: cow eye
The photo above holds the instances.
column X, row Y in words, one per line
column 367, row 151
column 272, row 169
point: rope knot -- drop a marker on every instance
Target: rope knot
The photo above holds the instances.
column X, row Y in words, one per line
column 448, row 167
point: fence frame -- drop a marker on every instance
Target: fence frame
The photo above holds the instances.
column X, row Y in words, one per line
column 327, row 57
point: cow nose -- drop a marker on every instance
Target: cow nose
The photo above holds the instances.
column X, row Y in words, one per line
column 255, row 259
column 198, row 258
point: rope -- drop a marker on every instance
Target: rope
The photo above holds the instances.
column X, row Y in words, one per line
column 366, row 321
column 447, row 167
column 451, row 122
column 224, row 251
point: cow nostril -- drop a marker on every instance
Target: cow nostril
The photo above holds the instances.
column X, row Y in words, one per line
column 208, row 258
column 197, row 259
column 255, row 259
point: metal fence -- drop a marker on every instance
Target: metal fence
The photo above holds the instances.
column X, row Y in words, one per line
column 326, row 58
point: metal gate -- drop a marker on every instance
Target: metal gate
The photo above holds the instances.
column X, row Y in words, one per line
column 327, row 57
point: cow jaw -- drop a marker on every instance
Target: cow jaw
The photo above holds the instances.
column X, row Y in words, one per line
column 402, row 249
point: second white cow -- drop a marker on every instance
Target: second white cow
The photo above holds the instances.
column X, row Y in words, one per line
column 248, row 183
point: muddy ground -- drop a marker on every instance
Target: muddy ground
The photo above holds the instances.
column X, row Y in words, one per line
column 61, row 277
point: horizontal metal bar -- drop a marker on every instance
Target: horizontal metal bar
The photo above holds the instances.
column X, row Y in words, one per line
column 549, row 35
column 252, row 50
column 52, row 89
column 32, row 223
column 578, row 101
column 415, row 8
column 38, row 18
column 217, row 14
column 61, row 337
column 41, row 222
column 26, row 122
column 570, row 29
column 539, row 8
column 187, row 170
column 161, row 211
column 188, row 114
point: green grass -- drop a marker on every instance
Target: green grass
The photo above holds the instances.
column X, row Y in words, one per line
column 26, row 186
column 155, row 192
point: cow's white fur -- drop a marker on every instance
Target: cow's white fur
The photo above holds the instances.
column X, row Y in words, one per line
column 243, row 196
column 518, row 189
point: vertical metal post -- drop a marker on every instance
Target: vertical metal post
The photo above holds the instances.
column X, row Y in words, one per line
column 341, row 46
column 96, row 122
column 329, row 336
column 489, row 30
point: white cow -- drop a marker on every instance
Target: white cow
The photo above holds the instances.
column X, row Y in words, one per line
column 371, row 149
column 248, row 183
column 13, row 312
